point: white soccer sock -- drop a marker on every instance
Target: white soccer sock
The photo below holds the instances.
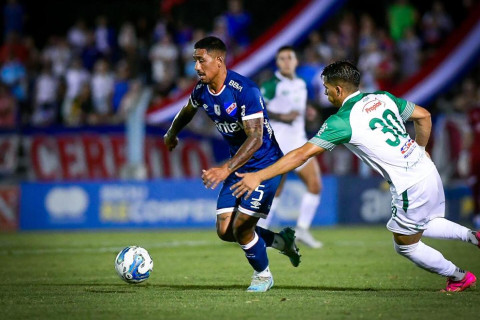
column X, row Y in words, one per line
column 441, row 228
column 427, row 258
column 308, row 208
column 265, row 223
column 265, row 273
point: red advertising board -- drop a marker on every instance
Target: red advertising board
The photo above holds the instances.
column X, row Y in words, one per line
column 9, row 199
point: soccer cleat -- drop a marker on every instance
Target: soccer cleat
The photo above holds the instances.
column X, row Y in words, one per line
column 468, row 281
column 260, row 284
column 290, row 250
column 304, row 236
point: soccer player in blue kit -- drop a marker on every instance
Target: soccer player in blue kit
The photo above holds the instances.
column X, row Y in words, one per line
column 235, row 105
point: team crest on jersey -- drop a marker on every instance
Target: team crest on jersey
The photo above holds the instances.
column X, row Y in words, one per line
column 205, row 106
column 231, row 108
column 217, row 110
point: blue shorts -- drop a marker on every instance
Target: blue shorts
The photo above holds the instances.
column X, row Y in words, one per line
column 257, row 205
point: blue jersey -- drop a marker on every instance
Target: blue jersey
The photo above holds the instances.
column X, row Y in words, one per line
column 238, row 100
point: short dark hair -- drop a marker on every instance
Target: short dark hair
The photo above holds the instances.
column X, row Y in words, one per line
column 342, row 71
column 285, row 48
column 211, row 44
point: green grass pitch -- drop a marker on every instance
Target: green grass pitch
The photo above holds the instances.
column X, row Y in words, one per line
column 357, row 275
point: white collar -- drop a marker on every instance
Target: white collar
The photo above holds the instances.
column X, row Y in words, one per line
column 351, row 96
column 282, row 77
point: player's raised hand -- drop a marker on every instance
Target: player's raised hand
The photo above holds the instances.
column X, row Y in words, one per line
column 213, row 176
column 170, row 141
column 250, row 181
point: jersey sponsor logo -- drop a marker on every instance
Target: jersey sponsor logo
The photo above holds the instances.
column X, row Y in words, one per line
column 231, row 109
column 408, row 148
column 372, row 105
column 217, row 110
column 235, row 85
column 199, row 86
column 228, row 127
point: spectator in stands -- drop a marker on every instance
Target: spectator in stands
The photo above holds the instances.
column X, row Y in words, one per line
column 13, row 46
column 409, row 51
column 77, row 36
column 238, row 23
column 90, row 54
column 105, row 39
column 76, row 77
column 82, row 109
column 121, row 85
column 401, row 16
column 164, row 58
column 102, row 89
column 8, row 108
column 45, row 106
column 436, row 24
column 14, row 75
column 59, row 54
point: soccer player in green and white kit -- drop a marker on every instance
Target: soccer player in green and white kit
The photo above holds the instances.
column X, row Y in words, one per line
column 371, row 125
column 286, row 101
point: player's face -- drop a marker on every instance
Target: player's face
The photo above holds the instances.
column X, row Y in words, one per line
column 287, row 62
column 333, row 94
column 206, row 65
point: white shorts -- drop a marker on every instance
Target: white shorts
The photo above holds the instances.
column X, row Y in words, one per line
column 291, row 141
column 415, row 207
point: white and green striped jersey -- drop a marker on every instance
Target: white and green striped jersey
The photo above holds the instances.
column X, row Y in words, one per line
column 372, row 126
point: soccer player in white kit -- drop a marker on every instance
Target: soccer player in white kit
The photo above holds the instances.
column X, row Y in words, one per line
column 286, row 100
column 371, row 125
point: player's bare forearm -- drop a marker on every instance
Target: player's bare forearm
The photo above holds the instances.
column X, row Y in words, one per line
column 182, row 118
column 290, row 161
column 254, row 130
column 423, row 125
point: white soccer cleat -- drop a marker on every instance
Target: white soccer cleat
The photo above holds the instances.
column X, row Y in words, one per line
column 260, row 284
column 304, row 236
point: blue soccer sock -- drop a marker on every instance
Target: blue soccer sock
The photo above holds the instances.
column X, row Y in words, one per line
column 267, row 235
column 256, row 253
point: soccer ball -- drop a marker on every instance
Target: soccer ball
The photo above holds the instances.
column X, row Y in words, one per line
column 133, row 264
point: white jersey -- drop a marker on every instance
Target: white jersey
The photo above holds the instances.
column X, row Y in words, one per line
column 283, row 95
column 372, row 126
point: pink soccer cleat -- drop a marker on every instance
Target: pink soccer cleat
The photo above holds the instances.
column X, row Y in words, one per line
column 468, row 281
column 477, row 235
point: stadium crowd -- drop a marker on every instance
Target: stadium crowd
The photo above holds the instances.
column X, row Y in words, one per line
column 85, row 76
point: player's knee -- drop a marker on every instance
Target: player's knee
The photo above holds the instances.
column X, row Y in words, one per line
column 242, row 235
column 224, row 234
column 405, row 250
column 314, row 187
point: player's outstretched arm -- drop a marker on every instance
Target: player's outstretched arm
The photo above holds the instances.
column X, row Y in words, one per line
column 293, row 159
column 183, row 117
column 423, row 125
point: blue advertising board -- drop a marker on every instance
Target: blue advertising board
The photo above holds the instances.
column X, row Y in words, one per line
column 179, row 203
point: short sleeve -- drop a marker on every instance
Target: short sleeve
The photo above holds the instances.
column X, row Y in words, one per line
column 404, row 107
column 334, row 131
column 194, row 96
column 251, row 103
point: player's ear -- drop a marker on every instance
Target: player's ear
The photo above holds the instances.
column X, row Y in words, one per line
column 220, row 60
column 338, row 90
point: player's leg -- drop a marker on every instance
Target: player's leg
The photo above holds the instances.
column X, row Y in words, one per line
column 227, row 206
column 411, row 213
column 255, row 251
column 441, row 228
column 265, row 223
column 225, row 226
column 309, row 173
